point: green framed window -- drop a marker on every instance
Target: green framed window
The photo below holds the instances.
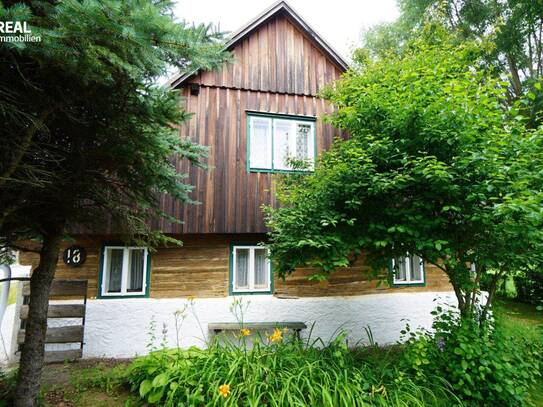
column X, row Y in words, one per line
column 250, row 270
column 124, row 271
column 273, row 140
column 408, row 270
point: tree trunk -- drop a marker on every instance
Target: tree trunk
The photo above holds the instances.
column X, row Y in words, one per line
column 30, row 367
column 460, row 297
column 491, row 293
column 515, row 78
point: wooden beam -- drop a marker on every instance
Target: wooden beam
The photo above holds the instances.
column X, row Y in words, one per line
column 59, row 311
column 63, row 334
column 234, row 326
column 63, row 288
column 56, row 356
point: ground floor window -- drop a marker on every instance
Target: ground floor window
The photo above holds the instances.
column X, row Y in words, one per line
column 124, row 271
column 408, row 270
column 250, row 270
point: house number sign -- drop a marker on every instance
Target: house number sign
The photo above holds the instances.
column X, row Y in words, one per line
column 75, row 256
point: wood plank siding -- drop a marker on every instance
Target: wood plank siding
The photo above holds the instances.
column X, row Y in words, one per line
column 277, row 58
column 231, row 197
column 276, row 69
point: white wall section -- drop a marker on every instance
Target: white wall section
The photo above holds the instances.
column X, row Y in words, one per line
column 120, row 327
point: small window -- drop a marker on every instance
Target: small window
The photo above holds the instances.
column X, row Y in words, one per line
column 408, row 270
column 273, row 141
column 251, row 271
column 124, row 271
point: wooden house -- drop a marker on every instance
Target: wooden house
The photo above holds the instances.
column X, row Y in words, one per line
column 252, row 113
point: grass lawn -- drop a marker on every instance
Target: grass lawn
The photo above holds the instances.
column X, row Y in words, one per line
column 522, row 320
column 85, row 384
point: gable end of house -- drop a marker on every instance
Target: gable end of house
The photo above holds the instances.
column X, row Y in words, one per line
column 276, row 40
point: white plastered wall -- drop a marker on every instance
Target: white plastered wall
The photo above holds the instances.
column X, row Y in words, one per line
column 119, row 328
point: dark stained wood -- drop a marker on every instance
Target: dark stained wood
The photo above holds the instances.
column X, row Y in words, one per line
column 63, row 288
column 59, row 356
column 63, row 334
column 230, row 197
column 278, row 57
column 276, row 69
column 256, row 326
column 59, row 311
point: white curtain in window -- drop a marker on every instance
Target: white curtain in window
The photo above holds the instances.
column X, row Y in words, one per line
column 135, row 276
column 303, row 133
column 282, row 143
column 242, row 268
column 261, row 268
column 260, row 143
column 400, row 268
column 115, row 270
column 416, row 268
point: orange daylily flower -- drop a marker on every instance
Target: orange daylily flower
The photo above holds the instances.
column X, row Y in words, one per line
column 224, row 390
column 276, row 336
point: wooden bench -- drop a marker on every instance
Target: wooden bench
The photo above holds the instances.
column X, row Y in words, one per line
column 217, row 327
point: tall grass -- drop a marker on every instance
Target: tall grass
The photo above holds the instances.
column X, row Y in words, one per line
column 284, row 375
column 278, row 372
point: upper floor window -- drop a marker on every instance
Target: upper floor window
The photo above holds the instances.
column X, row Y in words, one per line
column 408, row 270
column 124, row 271
column 250, row 270
column 275, row 140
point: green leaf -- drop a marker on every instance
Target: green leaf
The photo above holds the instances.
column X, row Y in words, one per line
column 160, row 380
column 155, row 395
column 145, row 386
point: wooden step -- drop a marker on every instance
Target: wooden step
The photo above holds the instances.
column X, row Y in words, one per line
column 62, row 334
column 63, row 288
column 59, row 311
column 55, row 356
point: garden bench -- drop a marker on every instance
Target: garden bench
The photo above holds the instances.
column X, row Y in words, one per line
column 217, row 327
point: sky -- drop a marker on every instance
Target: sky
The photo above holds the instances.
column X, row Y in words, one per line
column 339, row 22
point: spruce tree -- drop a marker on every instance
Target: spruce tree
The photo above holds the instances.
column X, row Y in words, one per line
column 87, row 136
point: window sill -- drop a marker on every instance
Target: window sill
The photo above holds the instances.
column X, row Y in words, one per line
column 117, row 296
column 414, row 284
column 281, row 171
column 233, row 293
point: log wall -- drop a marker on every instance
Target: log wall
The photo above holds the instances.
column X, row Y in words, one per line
column 201, row 268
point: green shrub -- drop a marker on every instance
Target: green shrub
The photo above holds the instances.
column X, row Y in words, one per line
column 8, row 380
column 483, row 365
column 529, row 286
column 285, row 372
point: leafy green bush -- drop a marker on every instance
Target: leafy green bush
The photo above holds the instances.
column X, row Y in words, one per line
column 483, row 365
column 276, row 371
column 7, row 386
column 529, row 285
